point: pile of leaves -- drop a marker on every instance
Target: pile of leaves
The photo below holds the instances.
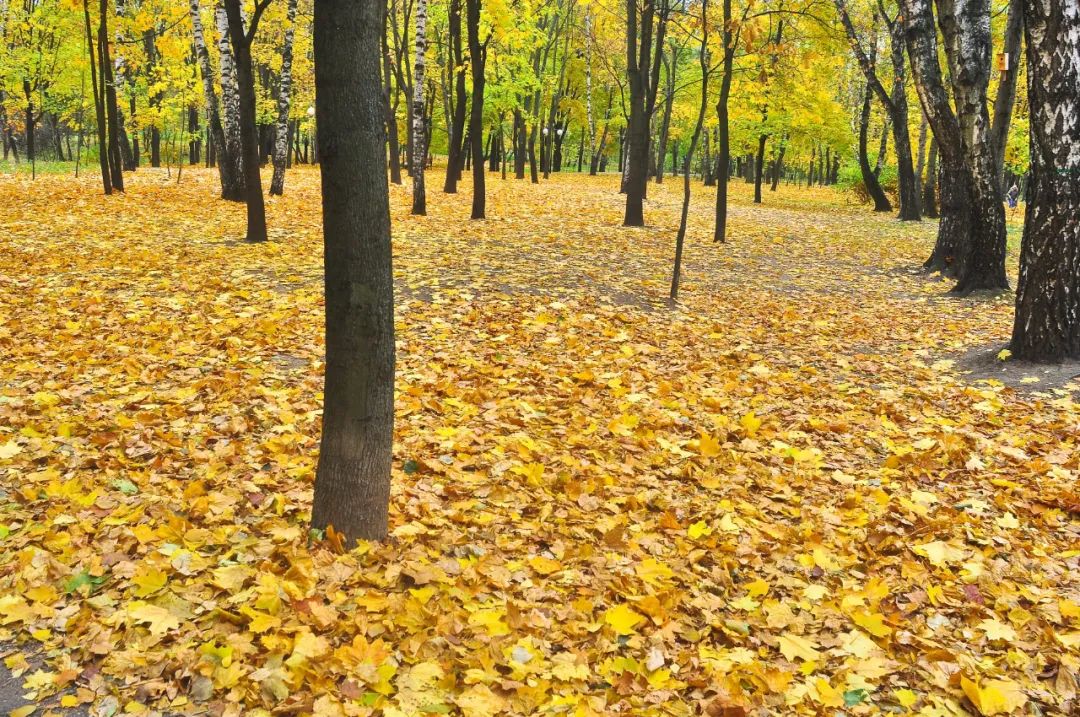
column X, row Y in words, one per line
column 778, row 497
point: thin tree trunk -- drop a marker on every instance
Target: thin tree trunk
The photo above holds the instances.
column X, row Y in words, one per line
column 929, row 187
column 281, row 129
column 99, row 104
column 231, row 184
column 352, row 482
column 703, row 61
column 477, row 61
column 419, row 133
column 1006, row 94
column 457, row 130
column 245, row 82
column 111, row 110
column 723, row 140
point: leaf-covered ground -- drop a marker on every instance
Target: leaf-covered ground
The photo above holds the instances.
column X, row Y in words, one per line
column 776, row 498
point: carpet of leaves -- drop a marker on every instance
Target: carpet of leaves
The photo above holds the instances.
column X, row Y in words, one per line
column 778, row 497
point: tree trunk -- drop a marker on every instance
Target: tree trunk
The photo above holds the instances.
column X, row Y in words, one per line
column 352, row 482
column 954, row 230
column 230, row 150
column 1006, row 94
column 929, row 187
column 723, row 140
column 519, row 144
column 281, row 129
column 637, row 131
column 477, row 61
column 759, row 165
column 1047, row 325
column 231, row 183
column 111, row 110
column 457, row 131
column 870, row 180
column 249, row 139
column 965, row 26
column 703, row 61
column 99, row 104
column 419, row 133
column 390, row 109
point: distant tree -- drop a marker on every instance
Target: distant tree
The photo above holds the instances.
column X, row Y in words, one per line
column 241, row 40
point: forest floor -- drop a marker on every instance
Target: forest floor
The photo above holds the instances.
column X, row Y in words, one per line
column 781, row 496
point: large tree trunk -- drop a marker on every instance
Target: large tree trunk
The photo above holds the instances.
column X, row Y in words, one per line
column 231, row 151
column 965, row 25
column 477, row 61
column 352, row 482
column 281, row 129
column 954, row 238
column 870, row 180
column 1006, row 94
column 241, row 38
column 1047, row 325
column 419, row 133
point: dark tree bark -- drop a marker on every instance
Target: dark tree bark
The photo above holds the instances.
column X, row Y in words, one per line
column 723, row 137
column 965, row 25
column 477, row 61
column 759, row 166
column 870, row 180
column 703, row 62
column 390, row 108
column 457, row 130
column 929, row 188
column 1006, row 94
column 111, row 110
column 352, row 483
column 249, row 139
column 519, row 144
column 638, row 57
column 1047, row 325
column 99, row 104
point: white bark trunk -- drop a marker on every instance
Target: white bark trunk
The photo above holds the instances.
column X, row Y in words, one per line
column 281, row 129
column 419, row 136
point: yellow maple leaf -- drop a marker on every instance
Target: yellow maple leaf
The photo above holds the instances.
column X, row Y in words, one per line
column 623, row 619
column 994, row 697
column 795, row 646
column 708, row 446
column 874, row 623
column 159, row 619
column 149, row 582
column 750, row 424
column 544, row 566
